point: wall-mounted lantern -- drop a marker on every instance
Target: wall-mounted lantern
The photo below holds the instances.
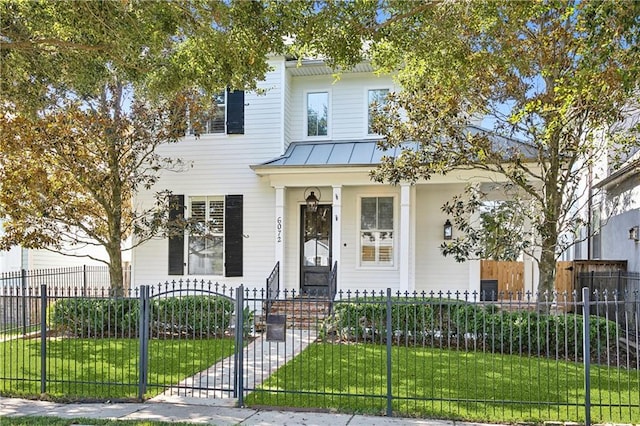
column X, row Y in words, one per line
column 634, row 233
column 448, row 230
column 311, row 199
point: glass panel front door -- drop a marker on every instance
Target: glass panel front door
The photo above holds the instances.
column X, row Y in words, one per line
column 315, row 250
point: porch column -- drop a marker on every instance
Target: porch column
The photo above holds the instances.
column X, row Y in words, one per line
column 405, row 236
column 279, row 231
column 336, row 229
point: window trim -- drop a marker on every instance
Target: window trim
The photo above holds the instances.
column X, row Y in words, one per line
column 232, row 233
column 189, row 211
column 366, row 110
column 393, row 266
column 305, row 115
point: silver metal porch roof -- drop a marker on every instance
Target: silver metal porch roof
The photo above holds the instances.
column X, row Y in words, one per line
column 334, row 153
column 365, row 152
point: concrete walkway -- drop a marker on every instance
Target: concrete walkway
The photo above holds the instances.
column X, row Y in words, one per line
column 261, row 359
column 200, row 414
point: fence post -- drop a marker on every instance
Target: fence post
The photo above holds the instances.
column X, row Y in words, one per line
column 238, row 389
column 84, row 280
column 586, row 354
column 389, row 369
column 144, row 341
column 23, row 281
column 43, row 338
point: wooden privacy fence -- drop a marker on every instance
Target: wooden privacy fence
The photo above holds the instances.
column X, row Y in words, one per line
column 510, row 275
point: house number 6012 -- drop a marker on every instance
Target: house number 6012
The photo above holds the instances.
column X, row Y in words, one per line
column 279, row 229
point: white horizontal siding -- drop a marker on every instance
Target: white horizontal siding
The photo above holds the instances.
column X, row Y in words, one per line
column 434, row 272
column 347, row 103
column 220, row 165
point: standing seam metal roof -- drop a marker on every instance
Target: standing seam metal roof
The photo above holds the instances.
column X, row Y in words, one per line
column 333, row 153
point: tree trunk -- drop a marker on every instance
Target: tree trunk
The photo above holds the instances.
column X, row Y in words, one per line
column 115, row 272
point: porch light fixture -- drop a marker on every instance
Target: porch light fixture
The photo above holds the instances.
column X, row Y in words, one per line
column 311, row 199
column 634, row 233
column 448, row 230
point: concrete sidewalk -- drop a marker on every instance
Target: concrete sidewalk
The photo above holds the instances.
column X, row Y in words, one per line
column 194, row 410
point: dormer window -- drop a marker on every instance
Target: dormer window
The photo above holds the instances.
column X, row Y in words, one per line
column 317, row 114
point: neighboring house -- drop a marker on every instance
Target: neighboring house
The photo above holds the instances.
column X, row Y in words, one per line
column 249, row 177
column 18, row 258
column 619, row 211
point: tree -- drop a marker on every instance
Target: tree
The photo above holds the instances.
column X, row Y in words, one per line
column 491, row 229
column 90, row 89
column 550, row 78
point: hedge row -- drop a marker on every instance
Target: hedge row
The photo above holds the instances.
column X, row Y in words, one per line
column 193, row 316
column 469, row 326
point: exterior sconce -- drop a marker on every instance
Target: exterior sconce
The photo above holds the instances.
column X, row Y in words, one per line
column 634, row 233
column 311, row 200
column 448, row 230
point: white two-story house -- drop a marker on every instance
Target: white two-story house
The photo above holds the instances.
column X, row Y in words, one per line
column 254, row 170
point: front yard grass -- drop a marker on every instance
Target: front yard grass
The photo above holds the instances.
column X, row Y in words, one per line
column 430, row 382
column 103, row 368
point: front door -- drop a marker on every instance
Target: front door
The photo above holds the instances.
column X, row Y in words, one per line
column 315, row 250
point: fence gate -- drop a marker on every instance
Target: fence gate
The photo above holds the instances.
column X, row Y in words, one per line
column 190, row 333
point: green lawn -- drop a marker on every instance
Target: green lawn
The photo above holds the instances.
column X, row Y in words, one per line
column 431, row 382
column 102, row 368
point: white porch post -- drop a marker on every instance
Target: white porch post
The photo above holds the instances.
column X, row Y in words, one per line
column 405, row 236
column 336, row 228
column 280, row 232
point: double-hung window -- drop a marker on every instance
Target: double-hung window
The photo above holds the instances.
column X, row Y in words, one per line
column 376, row 231
column 206, row 236
column 376, row 100
column 211, row 241
column 214, row 121
column 317, row 114
column 225, row 116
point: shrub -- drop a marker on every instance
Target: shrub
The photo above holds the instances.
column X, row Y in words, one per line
column 84, row 317
column 193, row 316
column 462, row 325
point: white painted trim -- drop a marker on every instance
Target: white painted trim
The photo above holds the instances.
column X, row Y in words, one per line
column 336, row 228
column 280, row 231
column 405, row 238
column 305, row 116
column 358, row 265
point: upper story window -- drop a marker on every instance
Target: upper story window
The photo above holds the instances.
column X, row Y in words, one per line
column 215, row 120
column 317, row 114
column 376, row 231
column 227, row 115
column 376, row 99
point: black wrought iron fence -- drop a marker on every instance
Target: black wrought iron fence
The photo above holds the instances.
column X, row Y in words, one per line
column 524, row 357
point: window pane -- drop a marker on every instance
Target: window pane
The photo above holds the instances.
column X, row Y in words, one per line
column 368, row 247
column 368, row 213
column 205, row 255
column 385, row 213
column 317, row 113
column 376, row 236
column 216, row 217
column 377, row 100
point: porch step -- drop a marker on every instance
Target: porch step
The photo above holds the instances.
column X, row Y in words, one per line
column 304, row 313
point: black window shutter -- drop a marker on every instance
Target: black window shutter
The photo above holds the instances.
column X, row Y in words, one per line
column 235, row 112
column 176, row 242
column 233, row 235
